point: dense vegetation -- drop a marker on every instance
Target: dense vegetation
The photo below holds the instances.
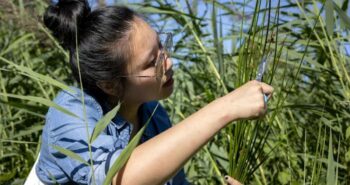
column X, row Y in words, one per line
column 303, row 139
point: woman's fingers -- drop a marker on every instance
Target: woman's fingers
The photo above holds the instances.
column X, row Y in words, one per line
column 231, row 181
column 267, row 89
column 248, row 101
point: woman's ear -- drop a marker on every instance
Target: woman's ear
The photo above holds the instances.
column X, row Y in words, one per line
column 110, row 88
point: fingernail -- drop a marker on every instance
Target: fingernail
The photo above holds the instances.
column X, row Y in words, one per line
column 226, row 177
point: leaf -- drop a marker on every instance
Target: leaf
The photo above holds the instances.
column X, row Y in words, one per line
column 330, row 161
column 345, row 5
column 347, row 133
column 216, row 39
column 322, row 160
column 154, row 10
column 347, row 156
column 31, row 109
column 214, row 164
column 103, row 122
column 7, row 176
column 70, row 154
column 284, row 177
column 343, row 16
column 37, row 76
column 125, row 154
column 329, row 17
column 16, row 44
column 43, row 101
column 160, row 10
column 28, row 131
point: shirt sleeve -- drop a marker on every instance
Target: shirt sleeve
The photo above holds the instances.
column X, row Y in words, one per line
column 71, row 133
column 180, row 178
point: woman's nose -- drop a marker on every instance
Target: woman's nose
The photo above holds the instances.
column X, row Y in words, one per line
column 168, row 64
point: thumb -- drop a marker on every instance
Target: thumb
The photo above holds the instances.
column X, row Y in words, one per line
column 267, row 89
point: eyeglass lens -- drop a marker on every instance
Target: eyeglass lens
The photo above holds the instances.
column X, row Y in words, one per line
column 166, row 41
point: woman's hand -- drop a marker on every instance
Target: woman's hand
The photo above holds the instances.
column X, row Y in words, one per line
column 247, row 101
column 231, row 181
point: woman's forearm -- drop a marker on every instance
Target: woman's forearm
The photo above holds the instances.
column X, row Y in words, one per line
column 158, row 159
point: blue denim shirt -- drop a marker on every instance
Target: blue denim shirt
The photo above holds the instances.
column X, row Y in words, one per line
column 70, row 132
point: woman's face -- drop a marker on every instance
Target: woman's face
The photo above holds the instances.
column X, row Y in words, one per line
column 146, row 50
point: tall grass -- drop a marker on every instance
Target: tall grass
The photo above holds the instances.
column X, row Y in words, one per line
column 303, row 139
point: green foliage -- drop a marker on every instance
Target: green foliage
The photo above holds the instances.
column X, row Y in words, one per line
column 103, row 122
column 71, row 154
column 303, row 139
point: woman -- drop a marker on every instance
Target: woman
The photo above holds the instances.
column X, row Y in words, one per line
column 121, row 59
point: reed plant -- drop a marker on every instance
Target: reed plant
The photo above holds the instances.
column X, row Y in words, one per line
column 304, row 137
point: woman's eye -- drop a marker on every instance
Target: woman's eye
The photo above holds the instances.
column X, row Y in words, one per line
column 152, row 63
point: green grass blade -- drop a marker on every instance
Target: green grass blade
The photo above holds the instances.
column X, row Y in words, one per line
column 70, row 154
column 329, row 17
column 31, row 109
column 30, row 130
column 40, row 100
column 36, row 75
column 343, row 16
column 214, row 164
column 103, row 122
column 217, row 44
column 125, row 154
column 15, row 44
column 331, row 167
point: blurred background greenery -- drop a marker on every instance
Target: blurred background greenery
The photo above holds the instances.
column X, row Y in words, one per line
column 303, row 139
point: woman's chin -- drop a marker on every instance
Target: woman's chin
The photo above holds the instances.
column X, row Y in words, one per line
column 166, row 92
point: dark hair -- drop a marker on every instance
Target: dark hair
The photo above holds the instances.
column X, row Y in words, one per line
column 102, row 40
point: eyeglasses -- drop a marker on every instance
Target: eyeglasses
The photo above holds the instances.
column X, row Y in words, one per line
column 166, row 40
column 166, row 44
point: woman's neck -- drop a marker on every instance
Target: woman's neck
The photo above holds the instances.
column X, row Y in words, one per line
column 129, row 111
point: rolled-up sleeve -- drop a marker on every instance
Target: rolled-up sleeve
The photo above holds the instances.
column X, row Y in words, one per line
column 100, row 171
column 72, row 133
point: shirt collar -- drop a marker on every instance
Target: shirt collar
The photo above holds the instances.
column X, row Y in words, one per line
column 143, row 114
column 119, row 121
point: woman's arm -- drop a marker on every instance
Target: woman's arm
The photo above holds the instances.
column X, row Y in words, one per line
column 158, row 159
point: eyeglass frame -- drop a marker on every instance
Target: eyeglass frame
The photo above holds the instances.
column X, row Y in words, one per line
column 166, row 48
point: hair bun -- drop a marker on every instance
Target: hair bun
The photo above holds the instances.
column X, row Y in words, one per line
column 63, row 18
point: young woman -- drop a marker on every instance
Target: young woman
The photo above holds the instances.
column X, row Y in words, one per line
column 122, row 59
